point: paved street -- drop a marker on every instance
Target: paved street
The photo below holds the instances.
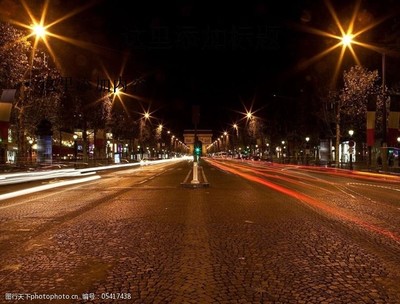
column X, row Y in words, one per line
column 258, row 234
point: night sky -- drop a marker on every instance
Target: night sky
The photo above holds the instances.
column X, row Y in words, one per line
column 202, row 53
column 221, row 55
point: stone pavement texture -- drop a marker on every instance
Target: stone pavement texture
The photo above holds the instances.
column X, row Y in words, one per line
column 158, row 242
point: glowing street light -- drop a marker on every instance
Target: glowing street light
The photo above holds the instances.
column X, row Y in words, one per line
column 30, row 149
column 235, row 126
column 307, row 149
column 347, row 40
column 398, row 153
column 39, row 31
column 75, row 147
column 351, row 148
column 235, row 136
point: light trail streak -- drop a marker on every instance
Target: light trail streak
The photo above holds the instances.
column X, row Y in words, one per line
column 22, row 177
column 305, row 177
column 309, row 201
column 295, row 179
column 381, row 177
column 44, row 187
column 36, row 176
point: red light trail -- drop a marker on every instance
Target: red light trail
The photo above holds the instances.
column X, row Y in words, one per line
column 309, row 201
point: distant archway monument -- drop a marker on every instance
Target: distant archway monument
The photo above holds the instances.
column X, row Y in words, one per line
column 204, row 136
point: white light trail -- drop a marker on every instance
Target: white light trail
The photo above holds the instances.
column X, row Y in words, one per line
column 46, row 187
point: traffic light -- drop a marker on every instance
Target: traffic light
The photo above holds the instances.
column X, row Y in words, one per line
column 197, row 149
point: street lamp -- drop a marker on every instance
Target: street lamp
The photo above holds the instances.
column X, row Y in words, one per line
column 351, row 148
column 398, row 151
column 142, row 126
column 235, row 137
column 172, row 144
column 159, row 137
column 347, row 41
column 39, row 30
column 235, row 126
column 75, row 147
column 251, row 128
column 30, row 149
column 108, row 150
column 225, row 140
column 307, row 149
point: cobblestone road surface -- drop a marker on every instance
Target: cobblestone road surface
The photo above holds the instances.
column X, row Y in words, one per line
column 137, row 236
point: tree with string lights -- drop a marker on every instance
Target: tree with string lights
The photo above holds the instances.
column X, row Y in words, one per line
column 37, row 83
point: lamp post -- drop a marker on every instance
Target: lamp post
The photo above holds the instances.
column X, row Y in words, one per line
column 351, row 148
column 251, row 128
column 172, row 144
column 30, row 150
column 137, row 157
column 168, row 145
column 108, row 150
column 235, row 137
column 142, row 126
column 398, row 151
column 39, row 32
column 347, row 41
column 75, row 147
column 307, row 149
column 226, row 140
column 159, row 138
